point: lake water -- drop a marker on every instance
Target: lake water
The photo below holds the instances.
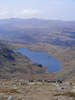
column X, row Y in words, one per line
column 43, row 58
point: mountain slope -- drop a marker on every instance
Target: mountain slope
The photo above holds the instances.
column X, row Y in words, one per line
column 14, row 65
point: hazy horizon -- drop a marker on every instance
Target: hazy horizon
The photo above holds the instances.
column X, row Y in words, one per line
column 39, row 9
column 38, row 19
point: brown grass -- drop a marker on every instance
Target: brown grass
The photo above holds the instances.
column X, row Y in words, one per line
column 8, row 90
column 69, row 94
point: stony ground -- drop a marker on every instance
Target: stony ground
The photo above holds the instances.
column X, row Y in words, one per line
column 36, row 91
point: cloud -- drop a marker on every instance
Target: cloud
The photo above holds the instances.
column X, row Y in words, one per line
column 30, row 11
column 18, row 13
column 3, row 12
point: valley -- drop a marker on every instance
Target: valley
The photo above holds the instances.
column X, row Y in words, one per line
column 24, row 79
column 52, row 36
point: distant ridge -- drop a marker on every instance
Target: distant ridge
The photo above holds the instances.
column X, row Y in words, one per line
column 56, row 32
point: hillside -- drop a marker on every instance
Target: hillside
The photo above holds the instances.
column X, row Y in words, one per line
column 15, row 66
